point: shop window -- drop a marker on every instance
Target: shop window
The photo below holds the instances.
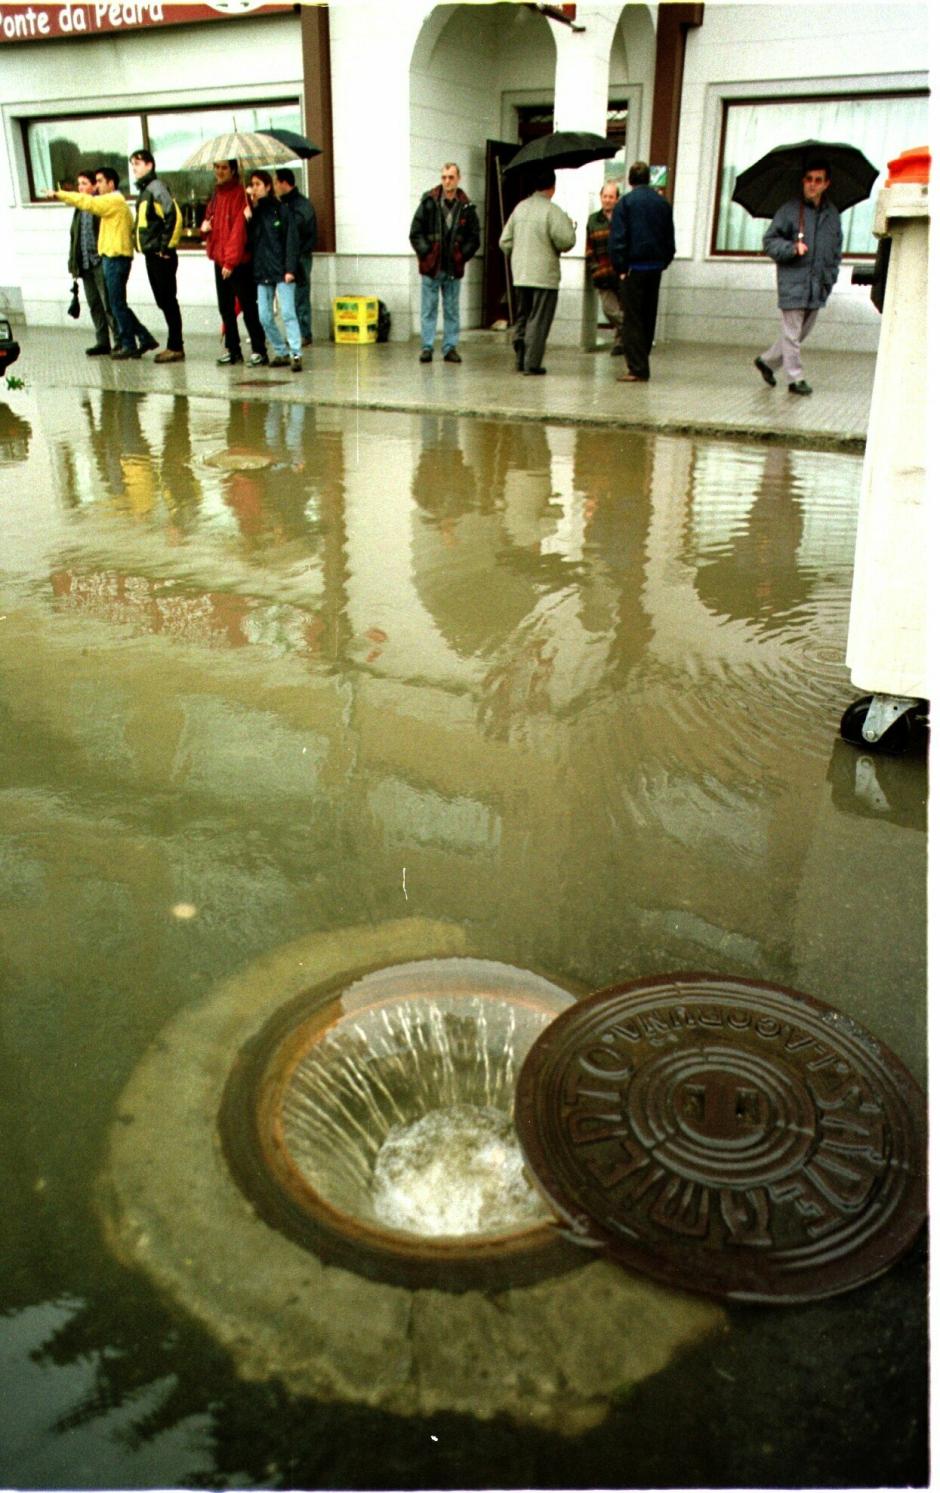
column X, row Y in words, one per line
column 881, row 125
column 57, row 148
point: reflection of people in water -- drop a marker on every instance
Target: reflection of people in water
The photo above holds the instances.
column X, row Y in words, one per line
column 278, row 502
column 757, row 578
column 14, row 436
column 614, row 475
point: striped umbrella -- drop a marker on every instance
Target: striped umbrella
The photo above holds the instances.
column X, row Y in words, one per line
column 250, row 147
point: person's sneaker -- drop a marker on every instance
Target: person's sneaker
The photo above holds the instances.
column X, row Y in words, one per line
column 531, row 372
column 281, row 361
column 801, row 387
column 766, row 372
column 452, row 356
column 147, row 344
column 307, row 342
column 426, row 355
column 100, row 350
column 296, row 365
column 170, row 355
column 120, row 353
column 258, row 360
column 227, row 358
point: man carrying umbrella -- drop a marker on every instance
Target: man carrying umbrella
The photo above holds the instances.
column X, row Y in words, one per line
column 226, row 233
column 805, row 241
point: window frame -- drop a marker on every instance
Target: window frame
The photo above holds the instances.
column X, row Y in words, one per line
column 143, row 115
column 731, row 101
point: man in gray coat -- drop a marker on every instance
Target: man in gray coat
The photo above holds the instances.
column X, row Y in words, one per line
column 535, row 237
column 805, row 240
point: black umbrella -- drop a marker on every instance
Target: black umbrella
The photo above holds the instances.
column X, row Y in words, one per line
column 778, row 176
column 565, row 149
column 303, row 147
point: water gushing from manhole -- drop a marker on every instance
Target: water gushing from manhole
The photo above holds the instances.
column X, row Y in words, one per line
column 381, row 1119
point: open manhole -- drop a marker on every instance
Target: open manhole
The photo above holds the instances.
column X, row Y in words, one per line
column 372, row 1123
column 726, row 1136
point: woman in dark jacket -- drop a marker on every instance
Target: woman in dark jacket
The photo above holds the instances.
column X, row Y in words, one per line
column 275, row 253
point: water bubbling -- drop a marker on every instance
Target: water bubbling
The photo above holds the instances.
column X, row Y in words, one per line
column 455, row 1171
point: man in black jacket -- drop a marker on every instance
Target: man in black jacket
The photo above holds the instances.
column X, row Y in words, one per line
column 158, row 228
column 85, row 265
column 305, row 213
column 445, row 234
column 642, row 244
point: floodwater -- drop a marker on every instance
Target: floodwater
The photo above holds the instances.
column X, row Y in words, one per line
column 268, row 670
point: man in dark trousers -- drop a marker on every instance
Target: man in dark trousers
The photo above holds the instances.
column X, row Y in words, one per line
column 305, row 213
column 642, row 244
column 85, row 265
column 158, row 228
column 225, row 228
column 536, row 234
column 445, row 234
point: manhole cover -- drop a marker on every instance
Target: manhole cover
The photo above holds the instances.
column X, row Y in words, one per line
column 237, row 460
column 726, row 1136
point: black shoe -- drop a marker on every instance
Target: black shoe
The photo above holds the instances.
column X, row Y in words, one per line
column 258, row 360
column 227, row 358
column 766, row 372
column 426, row 355
column 800, row 388
column 100, row 350
column 280, row 361
column 617, row 350
column 296, row 365
column 147, row 344
column 120, row 353
column 307, row 342
column 452, row 356
column 533, row 370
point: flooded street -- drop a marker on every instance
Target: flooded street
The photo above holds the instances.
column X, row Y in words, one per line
column 269, row 672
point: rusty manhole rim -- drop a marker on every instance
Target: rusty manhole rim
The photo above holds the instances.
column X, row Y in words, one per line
column 252, row 1137
column 538, row 1118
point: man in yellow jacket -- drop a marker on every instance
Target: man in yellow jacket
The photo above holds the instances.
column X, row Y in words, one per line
column 116, row 247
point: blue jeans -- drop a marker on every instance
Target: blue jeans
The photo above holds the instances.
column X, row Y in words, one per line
column 449, row 291
column 116, row 268
column 286, row 297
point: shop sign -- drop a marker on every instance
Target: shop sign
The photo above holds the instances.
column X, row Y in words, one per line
column 25, row 20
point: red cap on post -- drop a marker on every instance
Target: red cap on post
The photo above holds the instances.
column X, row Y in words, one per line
column 910, row 166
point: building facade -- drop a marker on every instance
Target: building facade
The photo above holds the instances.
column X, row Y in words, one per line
column 391, row 91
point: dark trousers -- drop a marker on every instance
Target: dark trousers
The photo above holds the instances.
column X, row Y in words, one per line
column 535, row 314
column 639, row 297
column 239, row 286
column 130, row 331
column 96, row 295
column 302, row 297
column 161, row 272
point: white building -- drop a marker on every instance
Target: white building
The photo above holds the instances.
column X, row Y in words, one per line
column 392, row 90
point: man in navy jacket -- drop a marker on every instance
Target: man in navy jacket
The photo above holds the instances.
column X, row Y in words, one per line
column 642, row 243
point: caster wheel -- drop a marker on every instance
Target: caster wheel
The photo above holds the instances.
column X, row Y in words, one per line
column 894, row 740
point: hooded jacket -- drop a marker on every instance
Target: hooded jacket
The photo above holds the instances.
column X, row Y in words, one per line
column 227, row 240
column 440, row 252
column 274, row 238
column 805, row 280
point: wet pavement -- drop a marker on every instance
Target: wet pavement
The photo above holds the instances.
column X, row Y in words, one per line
column 696, row 388
column 286, row 676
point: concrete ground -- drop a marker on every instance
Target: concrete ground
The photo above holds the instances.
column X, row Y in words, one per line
column 700, row 388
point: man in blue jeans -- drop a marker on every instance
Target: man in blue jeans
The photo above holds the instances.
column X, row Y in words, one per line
column 445, row 234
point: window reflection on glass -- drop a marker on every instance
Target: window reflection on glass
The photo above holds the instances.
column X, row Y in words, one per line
column 880, row 127
column 174, row 137
column 59, row 148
